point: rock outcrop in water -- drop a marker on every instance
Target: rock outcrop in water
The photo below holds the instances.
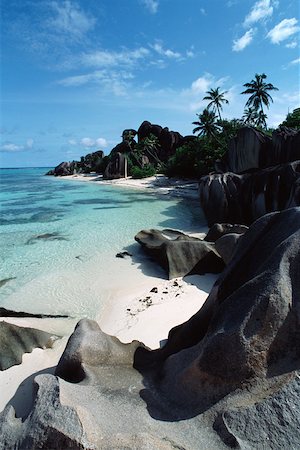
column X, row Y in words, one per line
column 262, row 175
column 228, row 377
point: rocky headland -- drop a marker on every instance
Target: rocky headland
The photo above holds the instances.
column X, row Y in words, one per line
column 228, row 377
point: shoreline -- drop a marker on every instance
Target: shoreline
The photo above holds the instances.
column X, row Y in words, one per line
column 130, row 312
column 158, row 184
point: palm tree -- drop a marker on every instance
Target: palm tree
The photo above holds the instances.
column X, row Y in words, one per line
column 206, row 126
column 261, row 119
column 250, row 116
column 216, row 99
column 258, row 89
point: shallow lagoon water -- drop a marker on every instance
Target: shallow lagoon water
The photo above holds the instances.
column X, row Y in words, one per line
column 59, row 238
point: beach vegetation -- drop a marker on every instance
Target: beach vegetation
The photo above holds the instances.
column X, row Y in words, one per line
column 197, row 157
column 143, row 172
column 206, row 124
column 292, row 119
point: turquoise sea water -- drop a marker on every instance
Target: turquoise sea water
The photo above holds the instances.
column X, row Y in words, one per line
column 59, row 237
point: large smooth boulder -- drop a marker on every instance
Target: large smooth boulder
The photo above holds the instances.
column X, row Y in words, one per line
column 285, row 146
column 180, row 254
column 221, row 229
column 220, row 198
column 270, row 422
column 117, row 167
column 63, row 169
column 244, row 198
column 147, row 128
column 128, row 134
column 247, row 332
column 248, row 150
column 50, row 424
column 168, row 140
column 15, row 341
column 87, row 348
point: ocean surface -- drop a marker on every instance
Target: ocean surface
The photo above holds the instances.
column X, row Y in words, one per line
column 59, row 239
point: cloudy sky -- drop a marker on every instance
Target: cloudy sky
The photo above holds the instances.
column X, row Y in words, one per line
column 75, row 73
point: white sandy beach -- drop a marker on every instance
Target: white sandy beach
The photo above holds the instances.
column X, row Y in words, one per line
column 158, row 184
column 142, row 305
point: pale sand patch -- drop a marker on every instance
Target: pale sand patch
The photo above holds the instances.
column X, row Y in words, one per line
column 149, row 316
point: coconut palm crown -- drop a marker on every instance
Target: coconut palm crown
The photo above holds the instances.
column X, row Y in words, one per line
column 216, row 99
column 258, row 90
column 206, row 126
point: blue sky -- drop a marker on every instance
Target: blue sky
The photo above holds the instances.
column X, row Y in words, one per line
column 76, row 73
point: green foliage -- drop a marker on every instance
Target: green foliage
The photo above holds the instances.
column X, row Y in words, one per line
column 138, row 172
column 197, row 157
column 207, row 124
column 292, row 120
column 185, row 162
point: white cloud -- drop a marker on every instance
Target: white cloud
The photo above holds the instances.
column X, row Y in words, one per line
column 10, row 147
column 191, row 98
column 89, row 142
column 292, row 44
column 105, row 58
column 295, row 61
column 101, row 142
column 202, row 10
column 202, row 84
column 260, row 11
column 70, row 19
column 116, row 82
column 79, row 80
column 151, row 5
column 165, row 52
column 283, row 30
column 72, row 142
column 244, row 41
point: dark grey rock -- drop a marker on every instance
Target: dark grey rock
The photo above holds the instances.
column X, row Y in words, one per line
column 226, row 246
column 88, row 163
column 220, row 229
column 285, row 146
column 15, row 341
column 244, row 198
column 9, row 313
column 123, row 254
column 271, row 423
column 4, row 281
column 220, row 198
column 248, row 150
column 50, row 425
column 117, row 167
column 180, row 254
column 246, row 331
column 87, row 348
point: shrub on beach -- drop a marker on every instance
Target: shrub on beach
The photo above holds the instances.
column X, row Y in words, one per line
column 146, row 171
